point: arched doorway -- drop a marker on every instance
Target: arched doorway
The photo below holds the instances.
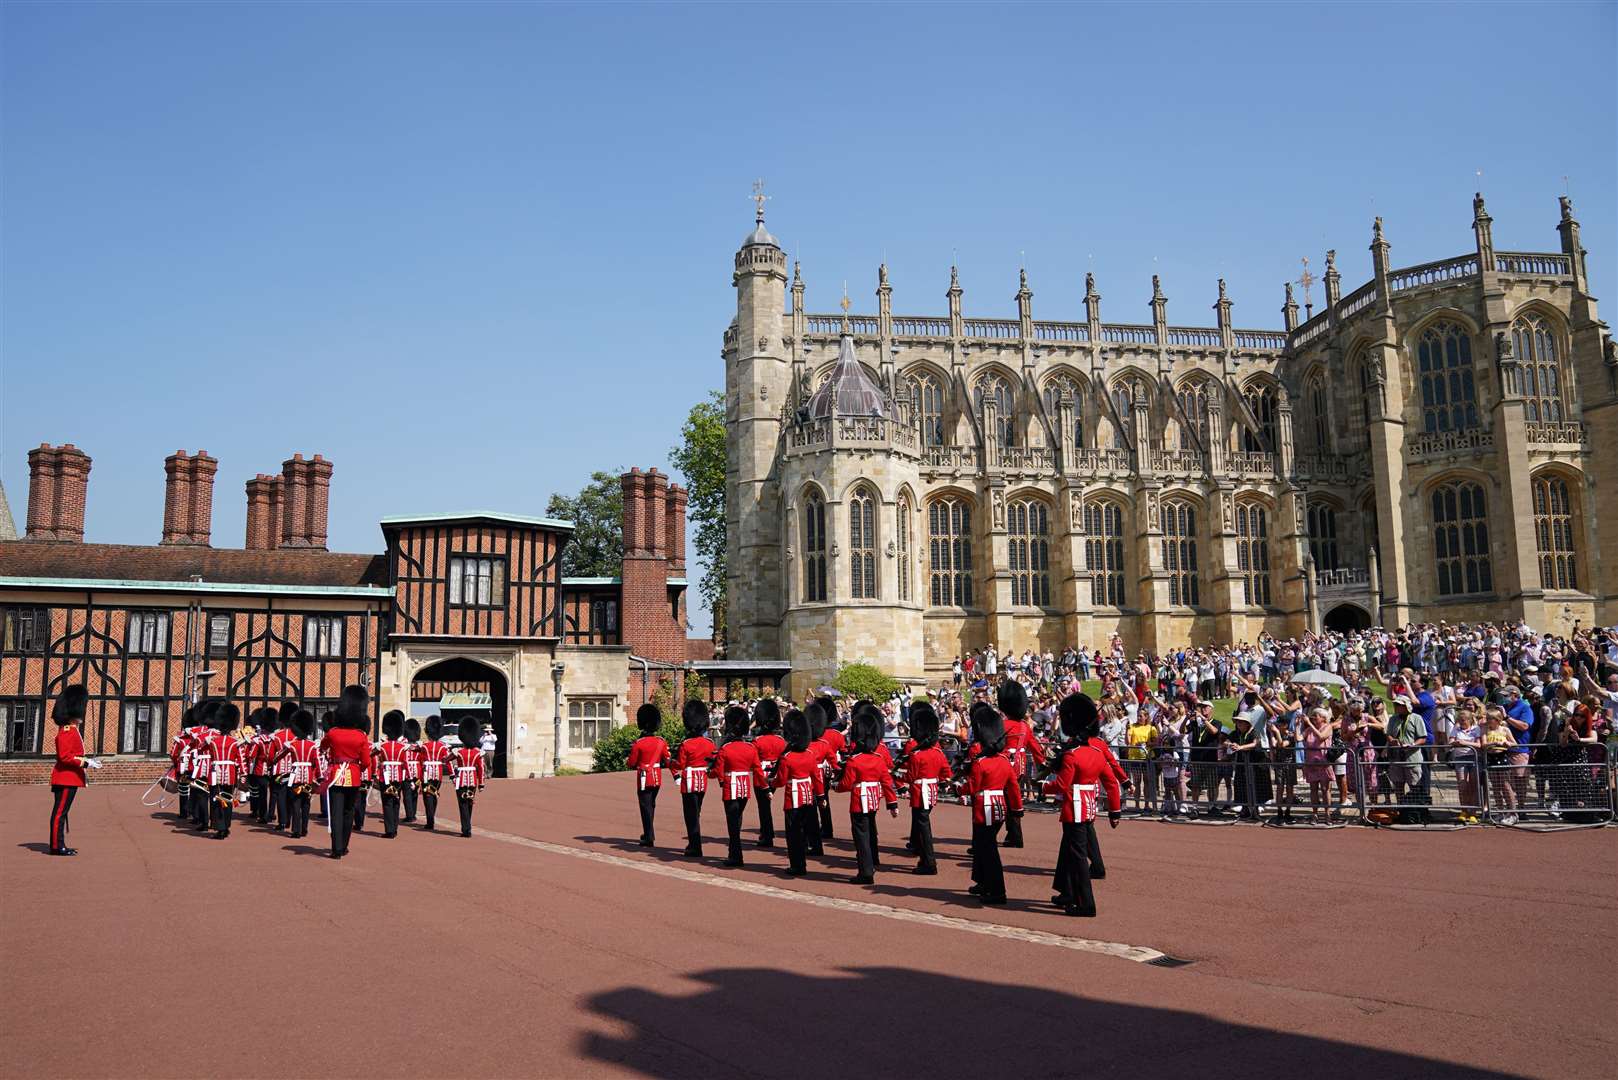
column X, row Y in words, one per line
column 461, row 687
column 1347, row 617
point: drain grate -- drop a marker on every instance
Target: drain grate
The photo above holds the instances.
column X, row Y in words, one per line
column 1169, row 962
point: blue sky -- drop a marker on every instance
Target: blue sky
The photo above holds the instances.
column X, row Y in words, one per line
column 473, row 252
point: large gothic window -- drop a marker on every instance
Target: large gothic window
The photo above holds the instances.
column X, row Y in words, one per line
column 1322, row 520
column 928, row 398
column 1253, row 553
column 1444, row 366
column 1104, row 551
column 993, row 387
column 949, row 548
column 1553, row 533
column 1028, row 526
column 902, row 529
column 1365, row 398
column 1123, row 398
column 1535, row 347
column 1055, row 391
column 1261, row 401
column 862, row 545
column 814, row 548
column 1319, row 416
column 1180, row 552
column 1193, row 398
column 1461, row 539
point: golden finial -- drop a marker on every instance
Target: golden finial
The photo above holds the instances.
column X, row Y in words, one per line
column 759, row 199
column 846, row 303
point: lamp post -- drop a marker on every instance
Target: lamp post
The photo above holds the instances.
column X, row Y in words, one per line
column 558, row 669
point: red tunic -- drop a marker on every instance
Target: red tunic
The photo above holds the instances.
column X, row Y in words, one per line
column 279, row 742
column 1098, row 743
column 226, row 761
column 1076, row 782
column 301, row 761
column 348, row 753
column 192, row 739
column 691, row 764
column 834, row 739
column 798, row 774
column 412, row 761
column 648, row 758
column 390, row 762
column 434, row 757
column 927, row 770
column 69, row 745
column 1022, row 745
column 869, row 783
column 738, row 769
column 770, row 748
column 994, row 789
column 467, row 761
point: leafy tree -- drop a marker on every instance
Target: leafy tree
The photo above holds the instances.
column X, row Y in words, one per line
column 597, row 511
column 865, row 681
column 700, row 458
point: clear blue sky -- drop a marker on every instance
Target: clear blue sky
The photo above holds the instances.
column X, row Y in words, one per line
column 472, row 253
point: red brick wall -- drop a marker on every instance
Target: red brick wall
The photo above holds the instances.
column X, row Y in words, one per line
column 114, row 770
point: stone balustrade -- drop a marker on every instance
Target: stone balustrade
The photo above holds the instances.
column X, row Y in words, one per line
column 1343, row 579
column 1178, row 462
column 1556, row 433
column 1435, row 444
column 1250, row 463
column 1531, row 264
column 1441, row 272
column 1040, row 458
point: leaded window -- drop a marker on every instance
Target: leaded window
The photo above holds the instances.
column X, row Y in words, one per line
column 1319, row 414
column 477, row 581
column 1553, row 533
column 1322, row 521
column 1193, row 398
column 1541, row 369
column 1180, row 552
column 862, row 546
column 1104, row 551
column 25, row 630
column 814, row 548
column 1253, row 553
column 588, row 720
column 1055, row 391
column 323, row 635
column 902, row 531
column 148, row 633
column 1028, row 529
column 1261, row 402
column 1461, row 539
column 142, row 729
column 928, row 398
column 1444, row 367
column 994, row 388
column 949, row 548
column 21, row 727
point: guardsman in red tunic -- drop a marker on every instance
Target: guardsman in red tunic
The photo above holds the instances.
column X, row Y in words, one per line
column 180, row 756
column 995, row 790
column 280, row 794
column 412, row 784
column 466, row 770
column 226, row 768
column 739, row 772
column 258, row 751
column 434, row 768
column 833, row 758
column 869, row 783
column 797, row 777
column 202, row 764
column 647, row 759
column 348, row 756
column 770, row 746
column 390, row 767
column 1082, row 774
column 691, row 771
column 300, row 764
column 1098, row 869
column 1023, row 749
column 818, row 715
column 67, row 775
column 927, row 770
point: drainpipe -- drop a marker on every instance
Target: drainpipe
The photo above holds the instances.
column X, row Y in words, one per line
column 557, row 670
column 645, row 673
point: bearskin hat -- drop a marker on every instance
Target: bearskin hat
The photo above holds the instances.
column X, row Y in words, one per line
column 435, row 727
column 923, row 725
column 205, row 712
column 795, row 727
column 287, row 709
column 227, row 716
column 328, row 720
column 867, row 731
column 648, row 718
column 354, row 708
column 1013, row 699
column 468, row 731
column 303, row 722
column 833, row 720
column 816, row 714
column 264, row 718
column 1079, row 718
column 412, row 729
column 735, row 723
column 393, row 723
column 766, row 716
column 70, row 704
column 695, row 718
column 989, row 728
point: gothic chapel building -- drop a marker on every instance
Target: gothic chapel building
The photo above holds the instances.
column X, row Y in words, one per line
column 904, row 488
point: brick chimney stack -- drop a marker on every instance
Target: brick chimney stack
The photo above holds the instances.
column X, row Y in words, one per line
column 58, row 478
column 674, row 529
column 631, row 483
column 305, row 491
column 655, row 504
column 263, row 512
column 647, row 621
column 188, row 498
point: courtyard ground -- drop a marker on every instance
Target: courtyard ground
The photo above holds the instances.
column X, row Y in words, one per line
column 549, row 945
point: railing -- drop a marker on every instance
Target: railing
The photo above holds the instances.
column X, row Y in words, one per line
column 1556, row 433
column 1062, row 331
column 833, row 324
column 1129, row 335
column 862, row 429
column 813, row 433
column 904, row 435
column 1042, row 458
column 949, row 457
column 1329, row 466
column 1356, row 301
column 1250, row 463
column 1195, row 336
column 1310, row 330
column 1178, row 461
column 1343, row 579
column 1260, row 339
column 1090, row 461
column 1003, row 329
column 920, row 326
column 1533, row 265
column 1433, row 273
column 1445, row 443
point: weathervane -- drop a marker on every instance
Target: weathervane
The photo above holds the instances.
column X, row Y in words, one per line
column 760, row 199
column 1306, row 279
column 845, row 305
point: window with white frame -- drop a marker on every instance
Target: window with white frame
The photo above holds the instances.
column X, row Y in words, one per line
column 588, row 720
column 25, row 630
column 20, row 727
column 142, row 729
column 323, row 635
column 219, row 635
column 477, row 581
column 148, row 633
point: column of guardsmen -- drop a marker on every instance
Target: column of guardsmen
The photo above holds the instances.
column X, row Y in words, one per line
column 805, row 756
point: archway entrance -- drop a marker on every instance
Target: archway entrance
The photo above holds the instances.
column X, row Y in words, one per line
column 459, row 687
column 1347, row 617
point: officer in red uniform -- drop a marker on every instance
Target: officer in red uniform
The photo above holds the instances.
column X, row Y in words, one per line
column 797, row 777
column 466, row 761
column 648, row 757
column 227, row 761
column 1081, row 774
column 770, row 746
column 434, row 761
column 927, row 770
column 739, row 771
column 348, row 755
column 390, row 765
column 1023, row 748
column 836, row 746
column 259, row 751
column 180, row 756
column 869, row 783
column 691, row 771
column 412, row 784
column 995, row 791
column 67, row 774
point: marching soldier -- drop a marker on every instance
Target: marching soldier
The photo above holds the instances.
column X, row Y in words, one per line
column 648, row 758
column 389, row 764
column 67, row 775
column 817, row 716
column 926, row 770
column 798, row 778
column 1082, row 772
column 226, row 768
column 259, row 751
column 770, row 746
column 412, row 784
column 348, row 756
column 280, row 800
column 691, row 772
column 467, row 763
column 202, row 764
column 1023, row 748
column 738, row 769
column 435, row 759
column 180, row 756
column 995, row 791
column 869, row 783
column 299, row 761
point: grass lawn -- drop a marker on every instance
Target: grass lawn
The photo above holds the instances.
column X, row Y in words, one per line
column 1225, row 708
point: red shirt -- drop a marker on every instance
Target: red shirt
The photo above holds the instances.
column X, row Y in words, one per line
column 1083, row 765
column 793, row 770
column 69, row 745
column 434, row 756
column 648, row 758
column 737, row 758
column 862, row 771
column 694, row 753
column 467, row 761
column 349, row 753
column 1022, row 745
column 1098, row 743
column 227, row 759
column 770, row 748
column 391, row 760
column 989, row 775
column 928, row 764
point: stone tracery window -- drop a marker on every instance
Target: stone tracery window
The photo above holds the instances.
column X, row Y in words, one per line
column 1553, row 533
column 1054, row 391
column 1193, row 398
column 1461, row 539
column 1319, row 413
column 862, row 545
column 1253, row 553
column 1028, row 529
column 1123, row 403
column 1180, row 552
column 1261, row 402
column 814, row 548
column 928, row 398
column 1322, row 522
column 949, row 549
column 1104, row 551
column 993, row 387
column 1444, row 368
column 902, row 533
column 1535, row 347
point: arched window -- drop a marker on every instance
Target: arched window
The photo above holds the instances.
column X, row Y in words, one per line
column 1253, row 553
column 902, row 531
column 1373, row 532
column 814, row 548
column 1535, row 348
column 1323, row 535
column 949, row 544
column 1319, row 415
column 1365, row 398
column 1553, row 532
column 1444, row 365
column 1261, row 401
column 1104, row 551
column 1123, row 398
column 1055, row 391
column 1193, row 398
column 995, row 388
column 1461, row 539
column 1180, row 552
column 928, row 398
column 862, row 546
column 1028, row 525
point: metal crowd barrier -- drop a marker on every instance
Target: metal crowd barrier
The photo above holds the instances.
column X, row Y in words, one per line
column 1562, row 783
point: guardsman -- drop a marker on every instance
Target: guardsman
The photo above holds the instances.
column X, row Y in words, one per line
column 691, row 771
column 927, row 770
column 648, row 757
column 869, row 783
column 281, row 796
column 300, row 769
column 818, row 717
column 202, row 764
column 390, row 767
column 412, row 784
column 770, row 746
column 739, row 771
column 995, row 791
column 260, row 750
column 1098, row 869
column 466, row 770
column 435, row 759
column 347, row 751
column 1023, row 751
column 67, row 774
column 798, row 778
column 227, row 761
column 832, row 736
column 180, row 756
column 1081, row 775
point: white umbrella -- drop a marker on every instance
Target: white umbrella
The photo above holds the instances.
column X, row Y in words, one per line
column 1319, row 676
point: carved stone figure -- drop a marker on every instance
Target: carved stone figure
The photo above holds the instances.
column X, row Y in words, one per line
column 998, row 502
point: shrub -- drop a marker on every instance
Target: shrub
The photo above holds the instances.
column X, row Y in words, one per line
column 568, row 770
column 865, row 681
column 612, row 752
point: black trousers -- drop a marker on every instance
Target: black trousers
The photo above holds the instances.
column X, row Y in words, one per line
column 647, row 800
column 801, row 823
column 390, row 815
column 1092, row 842
column 360, row 798
column 221, row 808
column 61, row 803
column 297, row 817
column 429, row 806
column 409, row 800
column 691, row 803
column 876, row 844
column 823, row 807
column 340, row 813
column 184, row 797
column 863, row 827
column 259, row 800
column 734, row 809
column 766, row 821
column 987, row 872
column 921, row 835
column 278, row 811
column 201, row 799
column 1073, row 865
column 466, row 814
column 1014, row 829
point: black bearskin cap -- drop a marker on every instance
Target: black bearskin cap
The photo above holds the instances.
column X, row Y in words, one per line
column 303, row 722
column 923, row 725
column 695, row 718
column 1013, row 699
column 288, row 708
column 264, row 718
column 468, row 732
column 829, row 707
column 412, row 730
column 189, row 717
column 989, row 727
column 354, row 708
column 435, row 726
column 70, row 704
column 328, row 720
column 648, row 718
column 205, row 712
column 1079, row 718
column 735, row 723
column 795, row 727
column 867, row 732
column 393, row 723
column 226, row 717
column 816, row 714
column 766, row 716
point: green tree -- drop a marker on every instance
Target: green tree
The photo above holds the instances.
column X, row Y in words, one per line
column 597, row 512
column 865, row 681
column 700, row 458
